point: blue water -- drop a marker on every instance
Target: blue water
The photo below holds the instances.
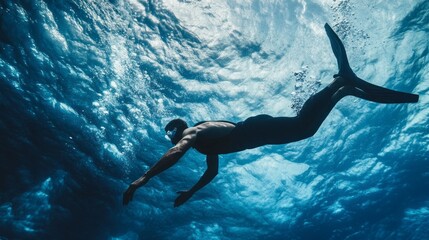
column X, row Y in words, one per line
column 86, row 88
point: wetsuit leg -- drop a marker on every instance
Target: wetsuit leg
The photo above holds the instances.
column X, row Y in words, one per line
column 265, row 129
column 315, row 110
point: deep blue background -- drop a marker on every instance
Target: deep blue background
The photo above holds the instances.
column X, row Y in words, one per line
column 87, row 86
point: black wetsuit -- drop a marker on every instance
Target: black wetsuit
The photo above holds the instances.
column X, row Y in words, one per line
column 264, row 129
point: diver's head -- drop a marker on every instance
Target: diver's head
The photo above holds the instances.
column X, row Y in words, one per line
column 174, row 130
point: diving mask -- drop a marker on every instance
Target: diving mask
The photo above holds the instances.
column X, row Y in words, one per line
column 171, row 133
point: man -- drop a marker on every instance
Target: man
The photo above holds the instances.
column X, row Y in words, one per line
column 219, row 137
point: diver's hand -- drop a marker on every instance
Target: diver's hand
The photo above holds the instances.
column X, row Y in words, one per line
column 182, row 198
column 128, row 194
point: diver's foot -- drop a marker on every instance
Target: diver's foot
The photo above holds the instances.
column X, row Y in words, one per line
column 339, row 82
column 346, row 80
column 345, row 91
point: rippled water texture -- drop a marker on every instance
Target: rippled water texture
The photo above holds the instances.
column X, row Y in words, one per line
column 86, row 88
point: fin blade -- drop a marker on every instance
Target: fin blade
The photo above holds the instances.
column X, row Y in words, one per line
column 381, row 94
column 390, row 96
column 339, row 52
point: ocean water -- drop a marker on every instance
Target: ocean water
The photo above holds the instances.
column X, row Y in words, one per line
column 86, row 88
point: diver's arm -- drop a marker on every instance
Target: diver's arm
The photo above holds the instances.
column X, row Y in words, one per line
column 170, row 158
column 209, row 174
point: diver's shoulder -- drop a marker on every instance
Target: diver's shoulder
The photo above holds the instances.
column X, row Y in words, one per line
column 216, row 124
column 190, row 131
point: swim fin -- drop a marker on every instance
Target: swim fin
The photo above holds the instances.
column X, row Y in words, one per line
column 344, row 70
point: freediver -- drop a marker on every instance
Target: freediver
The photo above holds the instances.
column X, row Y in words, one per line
column 212, row 138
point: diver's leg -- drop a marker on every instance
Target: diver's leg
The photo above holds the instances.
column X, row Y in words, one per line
column 317, row 108
column 282, row 130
